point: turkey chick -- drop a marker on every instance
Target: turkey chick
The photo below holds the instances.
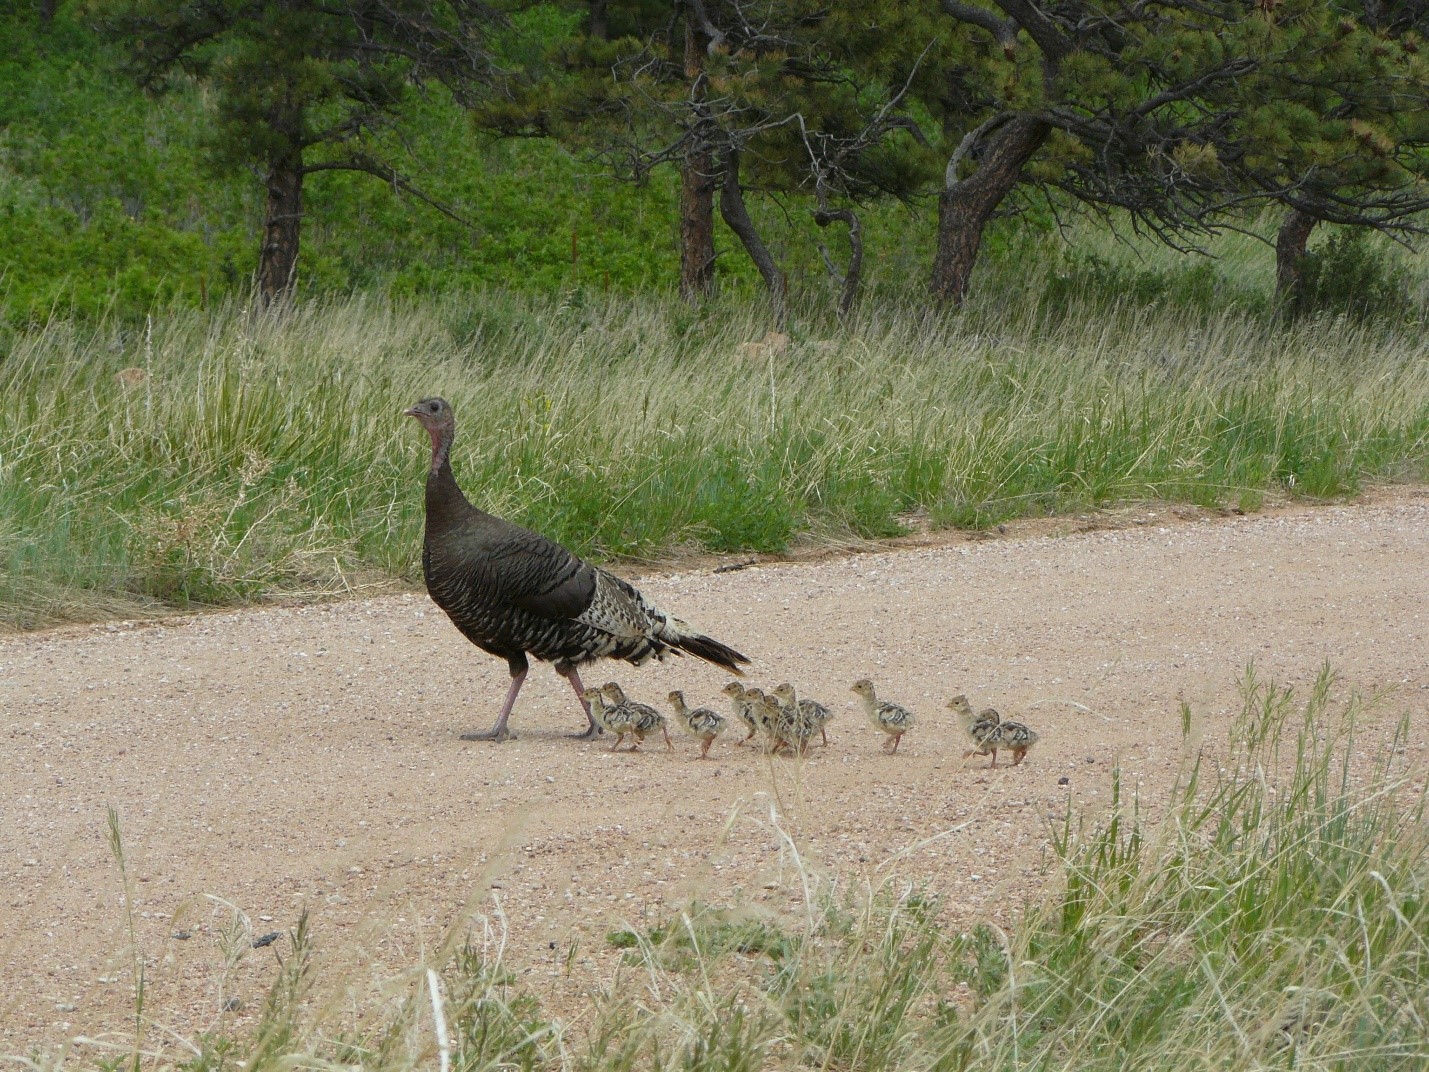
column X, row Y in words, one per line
column 893, row 719
column 610, row 717
column 742, row 709
column 981, row 728
column 644, row 719
column 701, row 722
column 765, row 713
column 798, row 719
column 1017, row 738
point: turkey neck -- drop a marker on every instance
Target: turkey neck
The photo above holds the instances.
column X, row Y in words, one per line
column 447, row 507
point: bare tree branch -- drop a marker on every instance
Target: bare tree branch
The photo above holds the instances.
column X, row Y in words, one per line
column 1004, row 30
column 387, row 173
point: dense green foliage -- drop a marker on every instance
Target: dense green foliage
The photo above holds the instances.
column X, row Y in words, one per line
column 110, row 204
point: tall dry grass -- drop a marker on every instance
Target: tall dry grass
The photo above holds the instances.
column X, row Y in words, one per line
column 250, row 456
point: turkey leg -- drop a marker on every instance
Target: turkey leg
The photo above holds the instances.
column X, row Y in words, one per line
column 592, row 727
column 499, row 732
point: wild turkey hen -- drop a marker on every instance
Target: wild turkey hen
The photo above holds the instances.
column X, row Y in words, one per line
column 514, row 593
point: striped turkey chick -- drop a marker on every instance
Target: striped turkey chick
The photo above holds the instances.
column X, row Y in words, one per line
column 798, row 719
column 644, row 719
column 702, row 723
column 893, row 719
column 810, row 710
column 742, row 703
column 765, row 713
column 981, row 728
column 609, row 717
column 742, row 709
column 1017, row 738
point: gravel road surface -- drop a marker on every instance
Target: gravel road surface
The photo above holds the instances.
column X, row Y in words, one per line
column 266, row 762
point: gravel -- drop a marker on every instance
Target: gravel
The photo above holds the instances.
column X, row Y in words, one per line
column 269, row 762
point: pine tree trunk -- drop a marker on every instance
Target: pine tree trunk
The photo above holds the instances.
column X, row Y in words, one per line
column 1290, row 245
column 965, row 206
column 598, row 27
column 736, row 215
column 697, row 183
column 282, row 227
column 47, row 12
column 848, row 293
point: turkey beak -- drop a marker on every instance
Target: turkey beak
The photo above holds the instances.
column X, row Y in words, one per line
column 412, row 411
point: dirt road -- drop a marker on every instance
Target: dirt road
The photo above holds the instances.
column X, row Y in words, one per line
column 264, row 762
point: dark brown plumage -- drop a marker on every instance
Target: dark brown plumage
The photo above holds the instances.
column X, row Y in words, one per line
column 514, row 593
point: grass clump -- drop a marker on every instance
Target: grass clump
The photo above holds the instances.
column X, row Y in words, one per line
column 1274, row 919
column 218, row 458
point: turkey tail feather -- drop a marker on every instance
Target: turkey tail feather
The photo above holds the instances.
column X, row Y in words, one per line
column 712, row 651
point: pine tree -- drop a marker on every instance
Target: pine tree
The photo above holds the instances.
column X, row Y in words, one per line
column 741, row 96
column 1357, row 157
column 1177, row 113
column 300, row 86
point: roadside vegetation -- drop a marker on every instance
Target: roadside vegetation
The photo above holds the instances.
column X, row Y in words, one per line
column 244, row 456
column 1271, row 915
column 180, row 425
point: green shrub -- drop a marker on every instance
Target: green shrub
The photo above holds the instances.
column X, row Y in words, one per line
column 1352, row 274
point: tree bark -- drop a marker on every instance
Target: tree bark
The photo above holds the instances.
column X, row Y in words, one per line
column 854, row 272
column 965, row 206
column 282, row 227
column 599, row 26
column 697, row 182
column 736, row 215
column 1290, row 246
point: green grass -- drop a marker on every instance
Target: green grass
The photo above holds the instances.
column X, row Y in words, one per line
column 267, row 455
column 1273, row 917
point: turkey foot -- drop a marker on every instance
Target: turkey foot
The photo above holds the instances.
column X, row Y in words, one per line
column 499, row 734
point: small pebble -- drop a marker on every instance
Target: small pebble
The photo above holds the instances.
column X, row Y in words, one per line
column 266, row 939
column 182, row 936
column 1064, row 780
column 232, row 1005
